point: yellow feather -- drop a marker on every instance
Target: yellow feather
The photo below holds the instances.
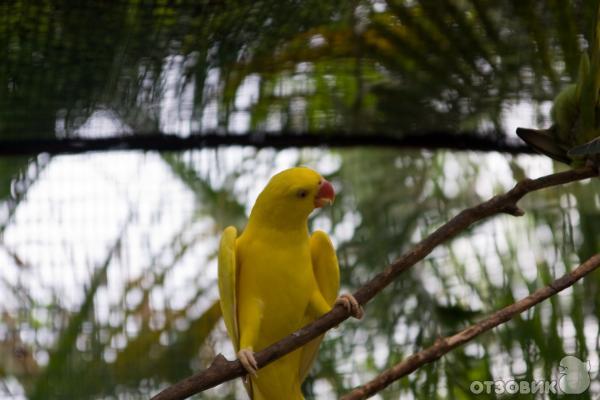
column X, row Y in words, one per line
column 327, row 274
column 227, row 282
column 228, row 274
column 278, row 288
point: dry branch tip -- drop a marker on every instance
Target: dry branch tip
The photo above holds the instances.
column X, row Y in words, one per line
column 514, row 210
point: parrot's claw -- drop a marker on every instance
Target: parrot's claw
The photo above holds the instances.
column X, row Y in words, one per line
column 350, row 304
column 246, row 357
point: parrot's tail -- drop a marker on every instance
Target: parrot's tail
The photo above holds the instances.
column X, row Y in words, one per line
column 258, row 395
column 275, row 391
column 279, row 380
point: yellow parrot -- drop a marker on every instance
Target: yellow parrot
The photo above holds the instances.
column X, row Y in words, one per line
column 276, row 277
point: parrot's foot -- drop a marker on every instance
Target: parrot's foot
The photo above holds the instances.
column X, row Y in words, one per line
column 246, row 357
column 350, row 304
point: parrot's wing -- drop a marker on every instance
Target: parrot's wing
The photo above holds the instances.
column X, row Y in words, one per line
column 327, row 275
column 545, row 143
column 325, row 266
column 228, row 274
column 591, row 133
column 227, row 284
column 590, row 148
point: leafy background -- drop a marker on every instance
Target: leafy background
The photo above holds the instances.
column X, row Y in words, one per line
column 107, row 278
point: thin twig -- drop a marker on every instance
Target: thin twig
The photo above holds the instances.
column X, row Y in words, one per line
column 222, row 370
column 445, row 345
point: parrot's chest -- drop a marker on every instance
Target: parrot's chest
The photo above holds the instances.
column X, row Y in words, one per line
column 285, row 269
column 280, row 277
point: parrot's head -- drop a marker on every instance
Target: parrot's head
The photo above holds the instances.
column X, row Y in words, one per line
column 291, row 195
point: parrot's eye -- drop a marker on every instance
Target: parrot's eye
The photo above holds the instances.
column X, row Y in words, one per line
column 302, row 193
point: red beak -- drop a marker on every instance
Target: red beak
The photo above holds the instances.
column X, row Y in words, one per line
column 325, row 195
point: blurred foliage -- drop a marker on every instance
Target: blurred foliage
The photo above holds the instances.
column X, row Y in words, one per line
column 183, row 67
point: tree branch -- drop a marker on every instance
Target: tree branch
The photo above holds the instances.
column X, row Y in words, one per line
column 157, row 141
column 222, row 370
column 445, row 345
